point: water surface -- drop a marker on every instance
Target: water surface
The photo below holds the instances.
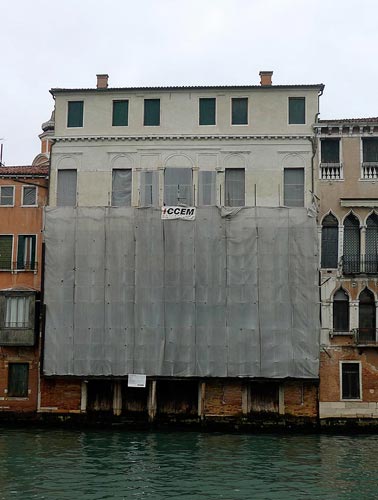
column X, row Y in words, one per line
column 91, row 465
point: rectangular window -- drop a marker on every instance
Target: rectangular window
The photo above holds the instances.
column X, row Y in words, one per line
column 121, row 187
column 75, row 113
column 330, row 151
column 370, row 150
column 18, row 380
column 29, row 196
column 6, row 244
column 350, row 381
column 17, row 312
column 235, row 187
column 149, row 188
column 206, row 191
column 120, row 113
column 66, row 192
column 151, row 112
column 178, row 186
column 239, row 111
column 294, row 187
column 7, row 196
column 207, row 111
column 297, row 110
column 26, row 253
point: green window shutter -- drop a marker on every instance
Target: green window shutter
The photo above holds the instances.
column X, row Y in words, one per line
column 370, row 150
column 18, row 379
column 207, row 111
column 6, row 243
column 75, row 114
column 120, row 113
column 297, row 113
column 240, row 111
column 330, row 151
column 151, row 112
column 26, row 252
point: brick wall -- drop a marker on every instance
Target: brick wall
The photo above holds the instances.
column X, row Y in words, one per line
column 223, row 398
column 60, row 395
column 301, row 398
column 19, row 355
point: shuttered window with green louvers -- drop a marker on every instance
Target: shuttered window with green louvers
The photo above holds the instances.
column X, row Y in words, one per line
column 120, row 113
column 75, row 113
column 207, row 111
column 330, row 242
column 151, row 112
column 297, row 110
column 370, row 149
column 6, row 243
column 239, row 111
column 18, row 380
column 330, row 151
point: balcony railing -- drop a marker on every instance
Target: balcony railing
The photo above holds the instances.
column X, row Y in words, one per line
column 18, row 266
column 331, row 171
column 360, row 264
column 369, row 170
column 366, row 336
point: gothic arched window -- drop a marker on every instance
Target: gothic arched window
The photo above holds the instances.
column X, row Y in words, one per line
column 341, row 311
column 351, row 258
column 330, row 240
column 366, row 316
column 371, row 252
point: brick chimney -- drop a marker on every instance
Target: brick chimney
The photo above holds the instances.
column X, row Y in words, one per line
column 266, row 78
column 102, row 81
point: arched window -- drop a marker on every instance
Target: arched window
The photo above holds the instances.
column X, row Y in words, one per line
column 366, row 316
column 341, row 311
column 330, row 240
column 351, row 258
column 371, row 257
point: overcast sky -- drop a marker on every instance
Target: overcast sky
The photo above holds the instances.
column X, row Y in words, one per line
column 47, row 44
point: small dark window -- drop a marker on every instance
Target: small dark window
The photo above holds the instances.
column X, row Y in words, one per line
column 207, row 111
column 366, row 317
column 178, row 186
column 151, row 112
column 29, row 196
column 330, row 151
column 235, row 187
column 6, row 244
column 26, row 253
column 120, row 113
column 294, row 187
column 6, row 196
column 66, row 189
column 75, row 113
column 239, row 111
column 297, row 110
column 340, row 311
column 350, row 381
column 330, row 242
column 18, row 380
column 351, row 257
column 121, row 187
column 370, row 149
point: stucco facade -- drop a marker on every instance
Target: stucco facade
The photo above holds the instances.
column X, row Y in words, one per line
column 348, row 198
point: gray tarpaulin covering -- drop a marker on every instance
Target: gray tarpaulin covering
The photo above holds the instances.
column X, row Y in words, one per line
column 221, row 296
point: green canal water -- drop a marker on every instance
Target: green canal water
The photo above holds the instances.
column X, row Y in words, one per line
column 88, row 465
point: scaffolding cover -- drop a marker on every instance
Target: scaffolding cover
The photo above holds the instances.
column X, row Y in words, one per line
column 227, row 295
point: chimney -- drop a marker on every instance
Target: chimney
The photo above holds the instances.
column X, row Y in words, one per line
column 102, row 81
column 266, row 78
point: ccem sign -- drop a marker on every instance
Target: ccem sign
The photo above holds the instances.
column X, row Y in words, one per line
column 185, row 213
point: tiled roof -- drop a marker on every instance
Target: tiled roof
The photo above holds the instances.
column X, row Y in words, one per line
column 24, row 170
column 319, row 86
column 351, row 120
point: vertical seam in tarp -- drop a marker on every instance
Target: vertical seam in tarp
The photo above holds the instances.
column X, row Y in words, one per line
column 135, row 216
column 227, row 291
column 289, row 241
column 164, row 301
column 105, row 334
column 74, row 289
column 195, row 295
column 258, row 286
